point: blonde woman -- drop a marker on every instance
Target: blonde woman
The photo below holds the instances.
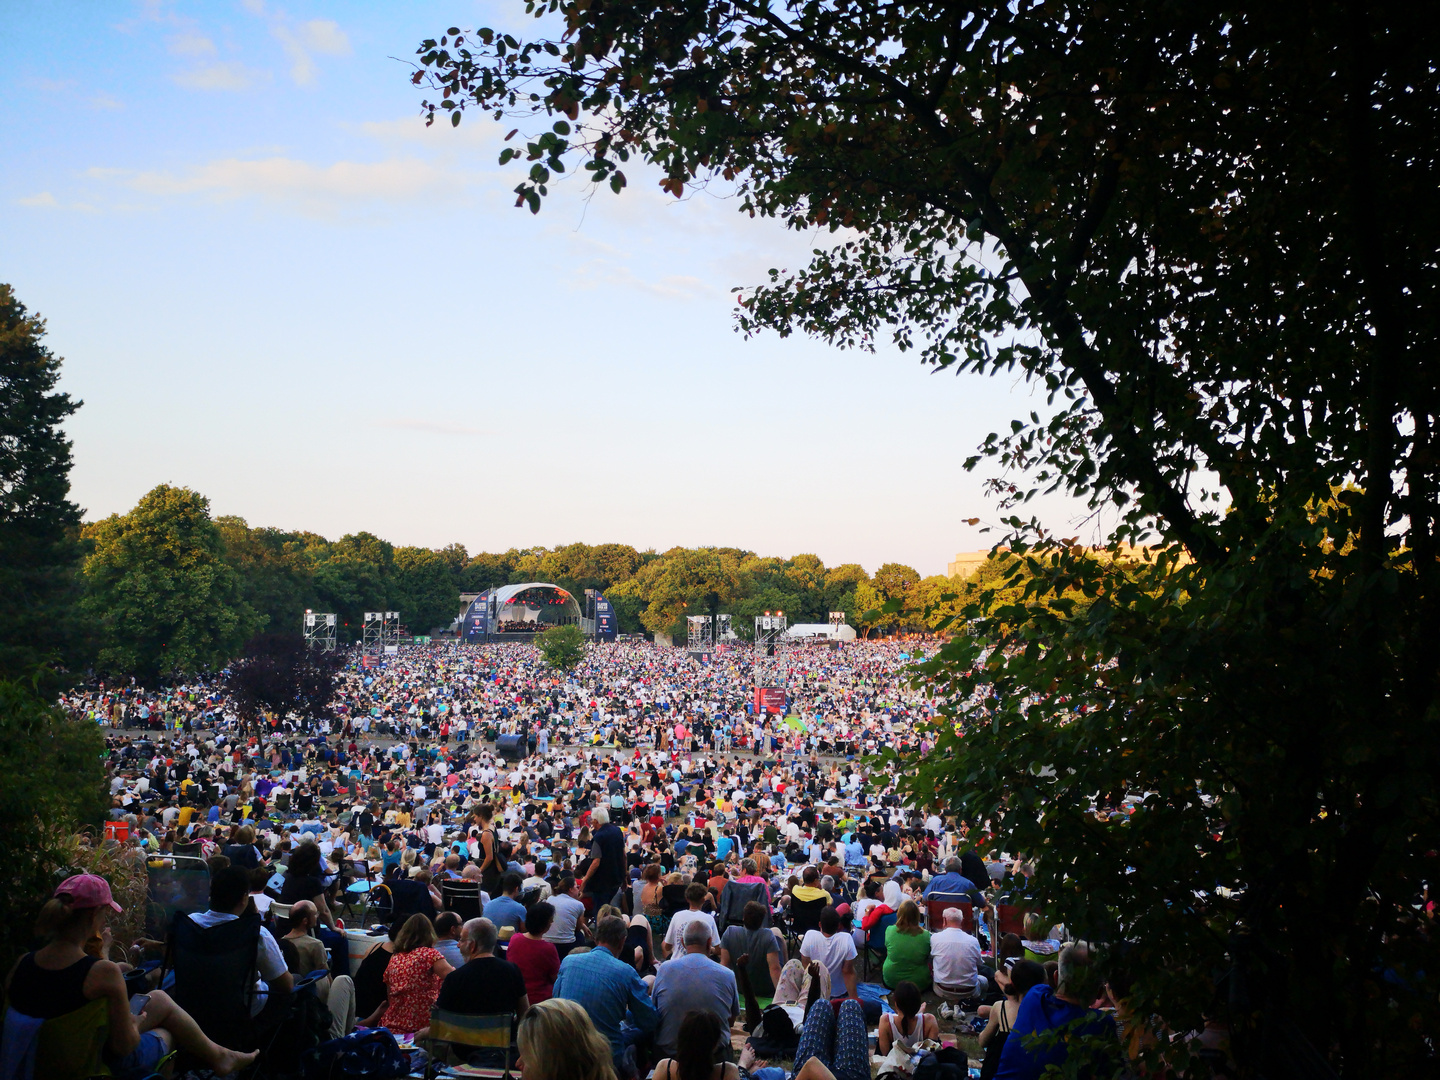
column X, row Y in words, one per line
column 557, row 1041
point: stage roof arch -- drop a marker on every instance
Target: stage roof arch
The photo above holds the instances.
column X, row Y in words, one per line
column 520, row 610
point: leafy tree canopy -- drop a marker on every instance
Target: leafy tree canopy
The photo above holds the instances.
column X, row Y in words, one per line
column 38, row 522
column 562, row 647
column 166, row 602
column 279, row 674
column 1207, row 235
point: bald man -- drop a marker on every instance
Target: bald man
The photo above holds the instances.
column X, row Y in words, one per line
column 956, row 958
column 337, row 994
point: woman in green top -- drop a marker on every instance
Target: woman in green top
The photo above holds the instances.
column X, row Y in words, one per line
column 907, row 949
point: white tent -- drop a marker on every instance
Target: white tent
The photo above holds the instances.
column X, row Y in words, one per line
column 821, row 630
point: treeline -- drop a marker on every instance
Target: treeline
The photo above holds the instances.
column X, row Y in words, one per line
column 168, row 590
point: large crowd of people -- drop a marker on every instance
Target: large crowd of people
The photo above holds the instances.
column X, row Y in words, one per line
column 629, row 857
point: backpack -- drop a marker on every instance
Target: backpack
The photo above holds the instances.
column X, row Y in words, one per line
column 947, row 1063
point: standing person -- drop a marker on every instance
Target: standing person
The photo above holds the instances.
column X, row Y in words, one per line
column 607, row 863
column 491, row 865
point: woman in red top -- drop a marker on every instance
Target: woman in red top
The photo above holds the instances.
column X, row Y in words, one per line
column 412, row 979
column 537, row 959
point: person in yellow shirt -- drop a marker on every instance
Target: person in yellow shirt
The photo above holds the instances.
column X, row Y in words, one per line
column 810, row 887
column 186, row 813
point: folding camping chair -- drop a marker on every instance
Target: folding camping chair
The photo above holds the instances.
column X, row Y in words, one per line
column 478, row 1038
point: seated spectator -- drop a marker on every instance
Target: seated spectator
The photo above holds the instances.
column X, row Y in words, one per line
column 1043, row 1009
column 303, row 881
column 558, row 1041
column 412, row 979
column 1039, row 943
column 700, row 1032
column 689, row 983
column 505, row 910
column 1016, row 983
column 484, row 985
column 310, row 955
column 639, row 939
column 810, row 889
column 753, row 940
column 833, row 1046
column 68, row 972
column 243, row 852
column 907, row 949
column 609, row 990
column 568, row 928
column 955, row 959
column 229, row 899
column 954, row 883
column 447, row 937
column 370, row 975
column 695, row 895
column 537, row 958
column 909, row 1025
column 832, row 949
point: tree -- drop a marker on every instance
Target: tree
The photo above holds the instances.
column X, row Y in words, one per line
column 427, row 588
column 562, row 647
column 1207, row 235
column 164, row 601
column 54, row 784
column 280, row 674
column 38, row 523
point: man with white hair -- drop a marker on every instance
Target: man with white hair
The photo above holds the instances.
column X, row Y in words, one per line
column 606, row 871
column 956, row 959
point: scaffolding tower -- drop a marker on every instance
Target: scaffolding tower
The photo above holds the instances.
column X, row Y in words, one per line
column 320, row 630
column 372, row 633
column 699, row 633
column 390, row 632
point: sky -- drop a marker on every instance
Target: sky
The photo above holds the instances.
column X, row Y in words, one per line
column 270, row 282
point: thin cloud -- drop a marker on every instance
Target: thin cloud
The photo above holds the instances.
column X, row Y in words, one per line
column 229, row 75
column 283, row 179
column 105, row 101
column 430, row 427
column 44, row 198
column 316, row 36
column 191, row 44
column 325, row 36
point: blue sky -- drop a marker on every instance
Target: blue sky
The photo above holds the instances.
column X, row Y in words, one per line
column 272, row 284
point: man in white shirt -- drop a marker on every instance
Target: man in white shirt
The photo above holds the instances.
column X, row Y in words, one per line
column 695, row 894
column 956, row 958
column 833, row 949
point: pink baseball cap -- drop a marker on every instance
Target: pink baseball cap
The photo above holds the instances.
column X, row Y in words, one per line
column 87, row 891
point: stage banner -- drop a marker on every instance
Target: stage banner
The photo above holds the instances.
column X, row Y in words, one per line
column 607, row 623
column 477, row 618
column 770, row 699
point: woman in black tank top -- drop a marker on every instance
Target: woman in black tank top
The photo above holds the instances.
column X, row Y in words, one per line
column 66, row 975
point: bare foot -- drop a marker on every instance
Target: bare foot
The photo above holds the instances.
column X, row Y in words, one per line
column 231, row 1061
